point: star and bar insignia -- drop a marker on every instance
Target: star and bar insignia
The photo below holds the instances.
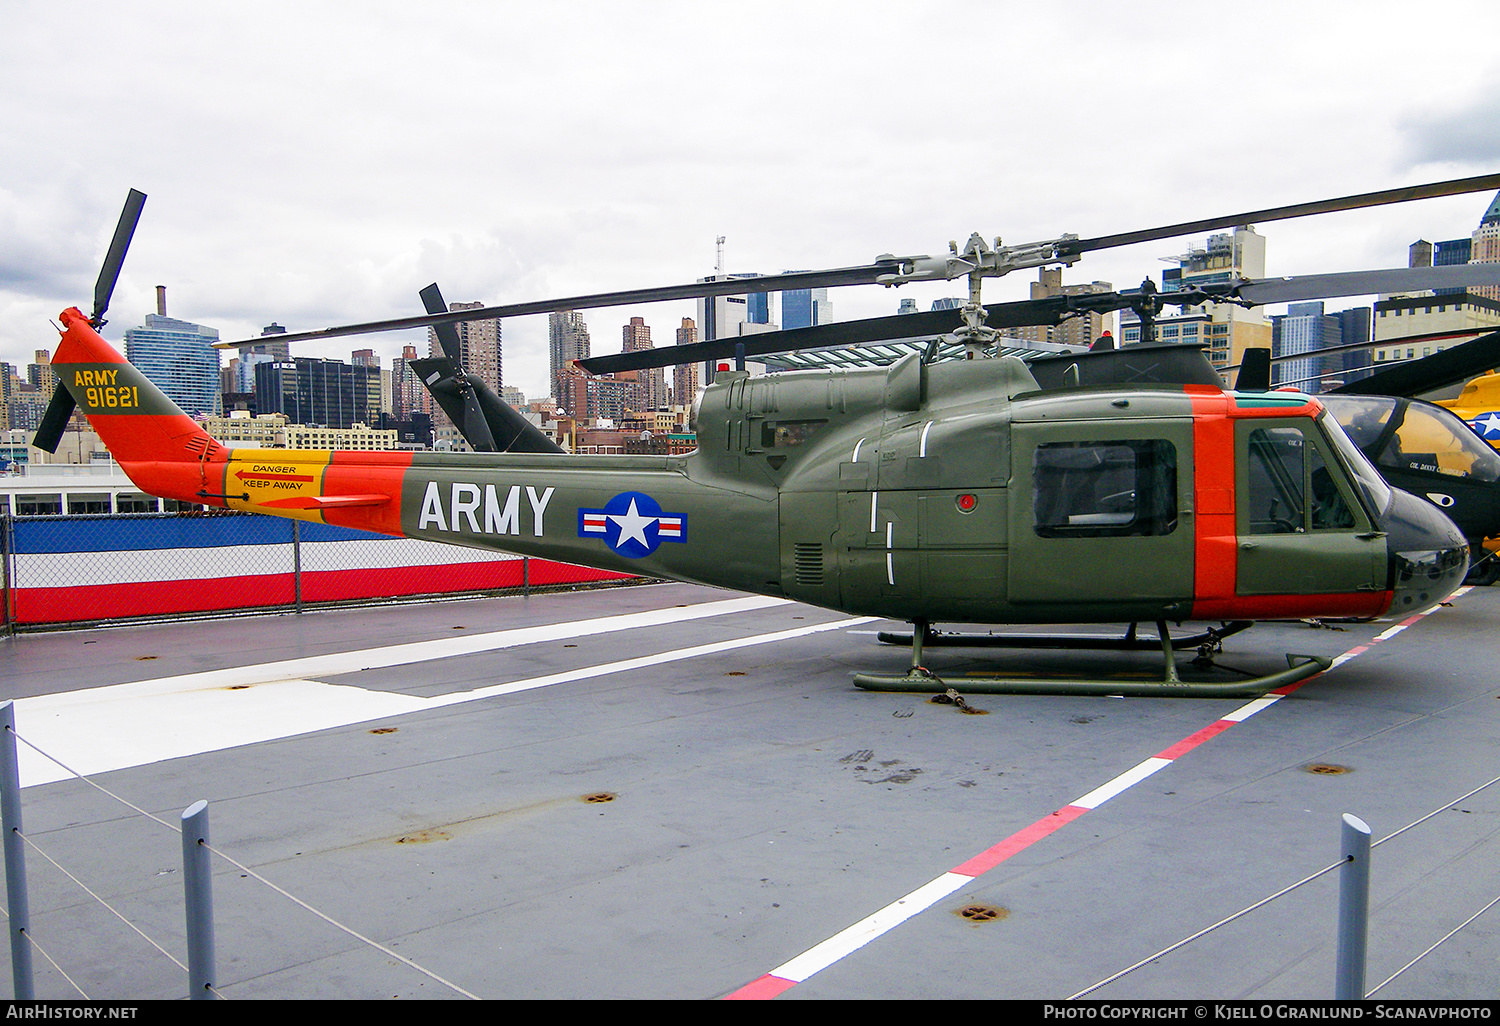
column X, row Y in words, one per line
column 633, row 524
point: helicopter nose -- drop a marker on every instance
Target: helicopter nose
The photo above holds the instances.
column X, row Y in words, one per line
column 1428, row 554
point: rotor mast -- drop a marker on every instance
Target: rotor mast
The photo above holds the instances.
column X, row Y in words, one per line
column 977, row 261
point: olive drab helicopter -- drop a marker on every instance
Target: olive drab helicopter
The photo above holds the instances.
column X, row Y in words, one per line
column 1073, row 490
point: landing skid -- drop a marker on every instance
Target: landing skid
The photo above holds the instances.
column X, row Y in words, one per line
column 920, row 679
column 936, row 638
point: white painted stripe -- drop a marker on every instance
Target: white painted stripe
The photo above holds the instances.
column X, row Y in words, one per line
column 124, row 725
column 818, row 958
column 873, row 497
column 604, row 669
column 1099, row 795
column 1252, row 707
column 137, row 566
column 890, row 566
column 335, row 663
column 857, row 445
column 922, row 446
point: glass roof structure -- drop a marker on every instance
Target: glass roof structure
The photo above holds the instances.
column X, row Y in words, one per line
column 880, row 354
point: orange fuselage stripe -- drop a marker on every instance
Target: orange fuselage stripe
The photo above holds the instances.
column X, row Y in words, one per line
column 1215, row 539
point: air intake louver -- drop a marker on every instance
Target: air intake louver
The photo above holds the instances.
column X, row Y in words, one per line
column 807, row 558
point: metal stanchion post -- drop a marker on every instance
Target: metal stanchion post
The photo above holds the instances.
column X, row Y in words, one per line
column 197, row 883
column 17, row 902
column 297, row 563
column 1354, row 910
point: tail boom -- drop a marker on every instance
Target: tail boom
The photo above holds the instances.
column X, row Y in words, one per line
column 167, row 453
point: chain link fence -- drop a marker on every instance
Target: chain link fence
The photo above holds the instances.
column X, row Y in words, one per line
column 77, row 570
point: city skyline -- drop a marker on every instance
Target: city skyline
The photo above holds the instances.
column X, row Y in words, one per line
column 284, row 184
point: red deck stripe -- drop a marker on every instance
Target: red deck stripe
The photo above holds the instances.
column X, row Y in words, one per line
column 1187, row 744
column 1019, row 841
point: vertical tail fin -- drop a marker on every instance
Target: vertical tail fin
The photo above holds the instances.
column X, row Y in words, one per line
column 134, row 418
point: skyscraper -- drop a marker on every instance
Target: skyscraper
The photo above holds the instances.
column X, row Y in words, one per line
column 1227, row 329
column 1303, row 329
column 567, row 340
column 804, row 308
column 308, row 390
column 407, row 394
column 1485, row 248
column 481, row 346
column 1398, row 316
column 179, row 357
column 758, row 308
column 1081, row 330
column 650, row 389
column 685, row 376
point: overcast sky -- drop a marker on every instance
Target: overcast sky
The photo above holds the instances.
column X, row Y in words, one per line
column 316, row 163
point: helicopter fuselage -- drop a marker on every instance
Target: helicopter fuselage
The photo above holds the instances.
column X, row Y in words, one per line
column 953, row 492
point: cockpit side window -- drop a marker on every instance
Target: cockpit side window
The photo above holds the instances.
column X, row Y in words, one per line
column 784, row 434
column 1105, row 489
column 1291, row 486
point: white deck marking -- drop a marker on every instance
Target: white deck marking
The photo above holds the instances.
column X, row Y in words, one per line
column 844, row 943
column 823, row 955
column 122, row 725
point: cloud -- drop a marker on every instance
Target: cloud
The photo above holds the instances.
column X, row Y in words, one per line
column 1464, row 135
column 314, row 168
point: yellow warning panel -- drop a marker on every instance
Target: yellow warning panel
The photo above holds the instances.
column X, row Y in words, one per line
column 256, row 478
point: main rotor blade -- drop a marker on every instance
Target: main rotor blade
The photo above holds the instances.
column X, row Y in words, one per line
column 1454, row 187
column 1361, row 283
column 1430, row 373
column 114, row 258
column 842, row 333
column 864, row 274
column 1355, row 347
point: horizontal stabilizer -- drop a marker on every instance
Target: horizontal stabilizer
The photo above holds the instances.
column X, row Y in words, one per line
column 326, row 501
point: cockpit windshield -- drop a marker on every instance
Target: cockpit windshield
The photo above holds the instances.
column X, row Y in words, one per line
column 1375, row 490
column 1435, row 439
column 1405, row 434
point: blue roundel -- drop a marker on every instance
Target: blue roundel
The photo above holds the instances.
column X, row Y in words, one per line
column 633, row 524
column 1488, row 425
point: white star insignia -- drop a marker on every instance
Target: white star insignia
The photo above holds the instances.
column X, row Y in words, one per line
column 632, row 525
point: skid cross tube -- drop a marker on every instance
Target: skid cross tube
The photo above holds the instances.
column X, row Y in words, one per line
column 922, row 680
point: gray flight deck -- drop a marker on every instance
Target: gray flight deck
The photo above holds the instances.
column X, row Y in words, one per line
column 760, row 806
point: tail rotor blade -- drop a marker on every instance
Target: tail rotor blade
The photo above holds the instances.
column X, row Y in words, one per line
column 447, row 334
column 476, row 428
column 115, row 258
column 55, row 421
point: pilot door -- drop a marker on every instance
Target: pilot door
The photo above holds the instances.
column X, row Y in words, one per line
column 1301, row 531
column 1100, row 517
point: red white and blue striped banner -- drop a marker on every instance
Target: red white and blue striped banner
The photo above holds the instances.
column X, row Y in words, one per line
column 80, row 569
